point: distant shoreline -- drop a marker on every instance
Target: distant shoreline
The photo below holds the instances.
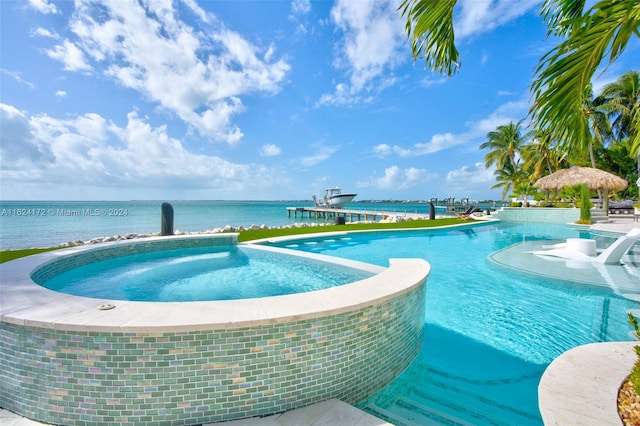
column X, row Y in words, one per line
column 27, row 224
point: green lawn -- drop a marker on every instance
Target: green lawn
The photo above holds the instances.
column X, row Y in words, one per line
column 7, row 255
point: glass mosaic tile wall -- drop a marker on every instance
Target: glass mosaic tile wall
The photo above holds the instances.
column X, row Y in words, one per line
column 190, row 377
column 547, row 215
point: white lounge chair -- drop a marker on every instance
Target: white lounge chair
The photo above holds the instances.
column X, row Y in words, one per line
column 583, row 250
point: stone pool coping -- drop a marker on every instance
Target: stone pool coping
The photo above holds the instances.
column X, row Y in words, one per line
column 581, row 385
column 26, row 303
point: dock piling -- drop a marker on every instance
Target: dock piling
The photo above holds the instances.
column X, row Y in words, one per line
column 327, row 213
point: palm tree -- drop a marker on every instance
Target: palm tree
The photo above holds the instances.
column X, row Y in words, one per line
column 598, row 121
column 504, row 143
column 623, row 100
column 541, row 156
column 524, row 188
column 599, row 34
column 508, row 177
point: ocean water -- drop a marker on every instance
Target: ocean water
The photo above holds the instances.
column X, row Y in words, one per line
column 25, row 224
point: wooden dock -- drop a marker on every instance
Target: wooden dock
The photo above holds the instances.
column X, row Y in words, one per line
column 353, row 215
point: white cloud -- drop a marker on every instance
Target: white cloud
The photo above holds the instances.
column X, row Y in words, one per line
column 437, row 143
column 470, row 179
column 470, row 174
column 321, row 154
column 398, row 179
column 19, row 147
column 90, row 151
column 300, row 10
column 43, row 6
column 43, row 32
column 373, row 36
column 474, row 17
column 510, row 111
column 270, row 150
column 197, row 10
column 301, row 29
column 17, row 77
column 200, row 74
column 477, row 130
column 61, row 93
column 69, row 54
column 383, row 150
column 429, row 81
column 300, row 7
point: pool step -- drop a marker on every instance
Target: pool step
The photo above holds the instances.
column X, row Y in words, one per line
column 430, row 411
column 405, row 412
column 487, row 411
column 443, row 402
column 599, row 216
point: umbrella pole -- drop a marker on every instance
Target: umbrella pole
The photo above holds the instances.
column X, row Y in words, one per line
column 606, row 202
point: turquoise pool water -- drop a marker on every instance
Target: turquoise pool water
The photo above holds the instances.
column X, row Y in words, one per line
column 204, row 273
column 489, row 331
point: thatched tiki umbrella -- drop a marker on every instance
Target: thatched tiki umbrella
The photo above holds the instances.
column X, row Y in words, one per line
column 594, row 178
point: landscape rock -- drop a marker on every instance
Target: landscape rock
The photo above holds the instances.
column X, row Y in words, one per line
column 227, row 228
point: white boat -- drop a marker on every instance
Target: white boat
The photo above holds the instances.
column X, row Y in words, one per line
column 334, row 198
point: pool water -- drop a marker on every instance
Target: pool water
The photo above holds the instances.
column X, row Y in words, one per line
column 490, row 332
column 205, row 273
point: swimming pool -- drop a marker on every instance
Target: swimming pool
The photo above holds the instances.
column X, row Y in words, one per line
column 201, row 273
column 490, row 330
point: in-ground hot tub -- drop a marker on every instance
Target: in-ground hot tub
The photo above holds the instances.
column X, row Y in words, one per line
column 69, row 359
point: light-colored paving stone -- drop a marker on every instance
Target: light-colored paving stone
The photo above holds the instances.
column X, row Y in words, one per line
column 7, row 418
column 332, row 412
column 617, row 223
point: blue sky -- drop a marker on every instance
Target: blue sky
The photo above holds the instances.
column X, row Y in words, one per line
column 260, row 100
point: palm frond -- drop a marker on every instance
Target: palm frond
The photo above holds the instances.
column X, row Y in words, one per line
column 560, row 14
column 635, row 140
column 564, row 72
column 430, row 28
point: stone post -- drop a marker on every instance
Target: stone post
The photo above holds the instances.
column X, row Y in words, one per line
column 166, row 223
